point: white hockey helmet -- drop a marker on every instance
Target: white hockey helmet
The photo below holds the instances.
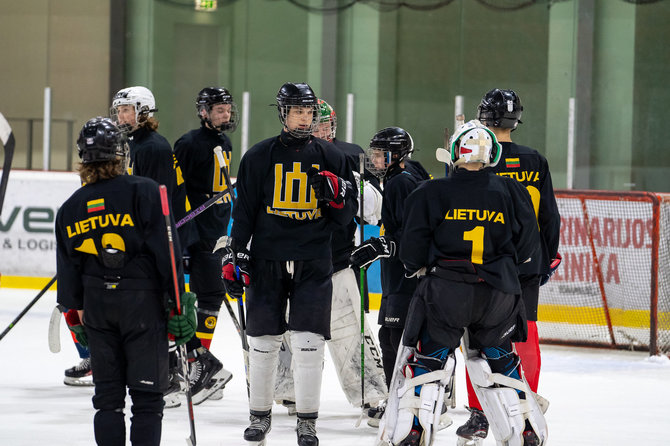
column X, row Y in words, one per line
column 473, row 142
column 139, row 97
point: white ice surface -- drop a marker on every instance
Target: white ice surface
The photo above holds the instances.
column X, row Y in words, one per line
column 598, row 397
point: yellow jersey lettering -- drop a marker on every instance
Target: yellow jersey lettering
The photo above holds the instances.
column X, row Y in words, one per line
column 475, row 214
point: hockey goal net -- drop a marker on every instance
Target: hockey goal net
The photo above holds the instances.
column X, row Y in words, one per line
column 613, row 286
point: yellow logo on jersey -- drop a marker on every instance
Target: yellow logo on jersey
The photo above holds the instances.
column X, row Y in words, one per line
column 524, row 176
column 475, row 214
column 99, row 221
column 292, row 196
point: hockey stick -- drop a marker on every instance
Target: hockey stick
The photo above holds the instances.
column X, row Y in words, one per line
column 240, row 308
column 7, row 138
column 361, row 223
column 202, row 208
column 54, row 328
column 182, row 348
column 28, row 307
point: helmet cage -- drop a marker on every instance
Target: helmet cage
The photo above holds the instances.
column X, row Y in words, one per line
column 473, row 142
column 389, row 146
column 211, row 96
column 327, row 115
column 101, row 140
column 297, row 95
column 142, row 101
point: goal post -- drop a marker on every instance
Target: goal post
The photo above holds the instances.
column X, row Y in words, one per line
column 613, row 286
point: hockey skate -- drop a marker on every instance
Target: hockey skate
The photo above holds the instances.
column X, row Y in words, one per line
column 80, row 374
column 306, row 431
column 171, row 395
column 473, row 432
column 260, row 426
column 206, row 376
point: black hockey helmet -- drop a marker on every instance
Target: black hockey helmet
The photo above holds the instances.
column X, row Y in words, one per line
column 297, row 95
column 211, row 96
column 500, row 108
column 388, row 147
column 101, row 140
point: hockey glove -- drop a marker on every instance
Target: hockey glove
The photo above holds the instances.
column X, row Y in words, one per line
column 327, row 187
column 371, row 250
column 236, row 271
column 76, row 327
column 553, row 266
column 182, row 326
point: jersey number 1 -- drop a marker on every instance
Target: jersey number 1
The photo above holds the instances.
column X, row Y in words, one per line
column 476, row 236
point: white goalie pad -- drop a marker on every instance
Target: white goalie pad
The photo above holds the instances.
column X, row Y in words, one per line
column 504, row 410
column 403, row 405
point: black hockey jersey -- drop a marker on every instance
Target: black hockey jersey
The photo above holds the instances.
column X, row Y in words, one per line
column 530, row 168
column 397, row 289
column 204, row 179
column 474, row 218
column 276, row 205
column 124, row 215
column 343, row 238
column 151, row 156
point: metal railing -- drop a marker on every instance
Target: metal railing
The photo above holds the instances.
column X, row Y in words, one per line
column 24, row 132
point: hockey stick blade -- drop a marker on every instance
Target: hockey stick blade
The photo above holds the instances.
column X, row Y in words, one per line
column 54, row 329
column 7, row 138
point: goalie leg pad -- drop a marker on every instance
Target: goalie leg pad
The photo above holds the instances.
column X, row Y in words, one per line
column 345, row 344
column 404, row 404
column 499, row 396
column 263, row 357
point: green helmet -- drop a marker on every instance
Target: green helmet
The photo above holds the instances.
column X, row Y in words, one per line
column 327, row 114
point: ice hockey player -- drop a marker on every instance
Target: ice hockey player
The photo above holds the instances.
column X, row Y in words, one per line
column 204, row 178
column 293, row 190
column 500, row 110
column 114, row 269
column 467, row 233
column 151, row 156
column 387, row 156
column 345, row 327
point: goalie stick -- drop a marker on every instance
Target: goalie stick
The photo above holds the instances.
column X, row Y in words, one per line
column 7, row 137
column 182, row 348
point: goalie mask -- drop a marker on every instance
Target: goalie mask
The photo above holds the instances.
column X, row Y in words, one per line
column 473, row 142
column 388, row 148
column 224, row 118
column 100, row 140
column 500, row 108
column 298, row 109
column 142, row 101
column 327, row 122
